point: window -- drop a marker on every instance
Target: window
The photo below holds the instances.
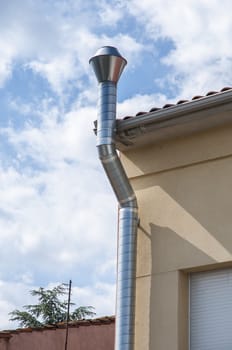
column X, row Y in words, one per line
column 211, row 310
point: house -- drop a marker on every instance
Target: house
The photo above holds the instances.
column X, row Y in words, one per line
column 179, row 162
column 173, row 184
column 96, row 334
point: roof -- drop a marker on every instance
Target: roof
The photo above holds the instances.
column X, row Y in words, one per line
column 180, row 102
column 172, row 120
column 62, row 325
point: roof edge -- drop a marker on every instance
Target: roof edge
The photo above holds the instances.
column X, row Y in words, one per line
column 131, row 130
column 62, row 325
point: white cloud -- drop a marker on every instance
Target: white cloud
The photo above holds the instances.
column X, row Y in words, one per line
column 57, row 213
column 11, row 298
column 22, row 33
column 56, row 40
column 60, row 136
column 100, row 295
column 71, row 63
column 200, row 33
column 62, row 214
column 5, row 307
column 111, row 13
column 140, row 103
column 58, row 49
column 60, row 210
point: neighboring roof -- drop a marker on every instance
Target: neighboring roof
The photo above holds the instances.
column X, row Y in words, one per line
column 172, row 120
column 62, row 325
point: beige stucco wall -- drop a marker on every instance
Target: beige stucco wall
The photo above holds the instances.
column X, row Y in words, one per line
column 183, row 188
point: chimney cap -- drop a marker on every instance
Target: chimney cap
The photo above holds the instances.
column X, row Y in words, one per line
column 108, row 64
column 107, row 51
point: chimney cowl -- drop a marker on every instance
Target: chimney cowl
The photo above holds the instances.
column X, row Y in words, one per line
column 108, row 64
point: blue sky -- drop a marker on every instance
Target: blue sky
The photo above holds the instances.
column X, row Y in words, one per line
column 58, row 216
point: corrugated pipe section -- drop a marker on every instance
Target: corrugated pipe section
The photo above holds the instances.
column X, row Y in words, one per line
column 108, row 65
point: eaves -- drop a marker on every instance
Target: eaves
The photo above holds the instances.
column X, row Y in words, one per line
column 175, row 121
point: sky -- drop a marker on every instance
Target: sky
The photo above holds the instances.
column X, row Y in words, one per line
column 58, row 214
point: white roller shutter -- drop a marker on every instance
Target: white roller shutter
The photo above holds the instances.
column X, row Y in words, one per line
column 211, row 310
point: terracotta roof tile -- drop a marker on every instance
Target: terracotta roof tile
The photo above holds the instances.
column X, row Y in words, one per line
column 226, row 88
column 211, row 93
column 140, row 113
column 180, row 102
column 154, row 109
column 168, row 105
column 128, row 117
column 197, row 97
column 194, row 98
column 72, row 324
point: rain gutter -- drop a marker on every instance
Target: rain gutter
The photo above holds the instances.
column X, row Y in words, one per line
column 175, row 121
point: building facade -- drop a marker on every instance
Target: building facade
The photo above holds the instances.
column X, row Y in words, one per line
column 179, row 162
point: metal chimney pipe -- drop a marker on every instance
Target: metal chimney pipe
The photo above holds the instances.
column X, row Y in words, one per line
column 108, row 65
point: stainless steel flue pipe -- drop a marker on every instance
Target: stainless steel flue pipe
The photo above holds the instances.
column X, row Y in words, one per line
column 108, row 65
